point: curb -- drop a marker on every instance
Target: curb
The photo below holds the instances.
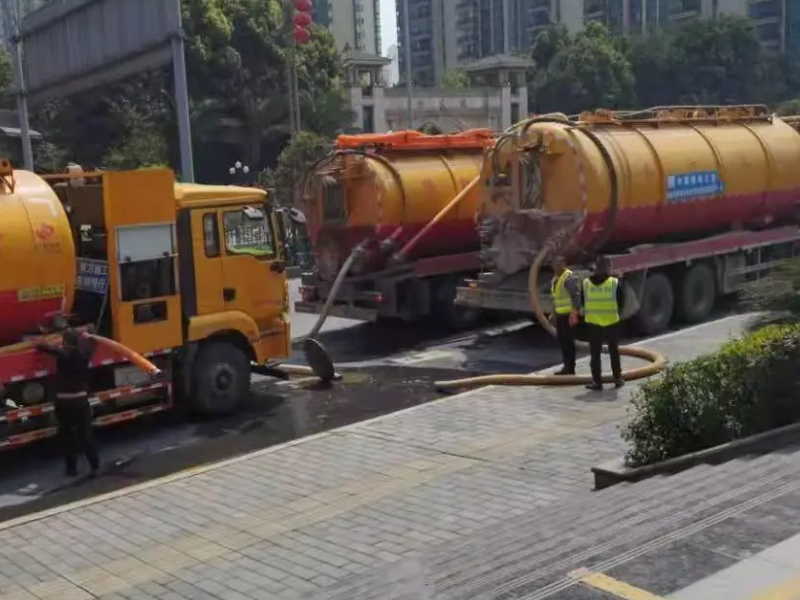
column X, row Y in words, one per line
column 615, row 471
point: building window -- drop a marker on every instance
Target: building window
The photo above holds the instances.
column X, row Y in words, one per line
column 211, row 235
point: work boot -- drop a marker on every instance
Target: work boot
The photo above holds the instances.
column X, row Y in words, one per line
column 565, row 371
column 618, row 383
column 595, row 387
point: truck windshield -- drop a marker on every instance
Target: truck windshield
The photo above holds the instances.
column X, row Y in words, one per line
column 248, row 232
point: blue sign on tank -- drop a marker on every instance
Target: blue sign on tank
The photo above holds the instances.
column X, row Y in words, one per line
column 685, row 187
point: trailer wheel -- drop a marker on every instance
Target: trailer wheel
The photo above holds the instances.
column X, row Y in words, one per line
column 657, row 305
column 220, row 379
column 445, row 310
column 697, row 294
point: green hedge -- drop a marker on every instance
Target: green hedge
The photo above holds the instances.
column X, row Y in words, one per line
column 751, row 385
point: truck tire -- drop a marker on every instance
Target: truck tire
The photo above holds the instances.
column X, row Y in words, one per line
column 697, row 294
column 445, row 310
column 657, row 305
column 220, row 379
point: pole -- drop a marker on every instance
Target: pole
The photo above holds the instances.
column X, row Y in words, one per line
column 182, row 106
column 298, row 117
column 409, row 83
column 22, row 96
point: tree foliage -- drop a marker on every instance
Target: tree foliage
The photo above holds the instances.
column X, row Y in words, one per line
column 717, row 61
column 455, row 79
column 300, row 153
column 577, row 72
column 237, row 55
column 5, row 71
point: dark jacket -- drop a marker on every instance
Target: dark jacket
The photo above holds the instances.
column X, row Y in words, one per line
column 73, row 365
column 598, row 280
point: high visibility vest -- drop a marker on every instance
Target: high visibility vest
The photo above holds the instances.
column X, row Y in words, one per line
column 600, row 302
column 562, row 302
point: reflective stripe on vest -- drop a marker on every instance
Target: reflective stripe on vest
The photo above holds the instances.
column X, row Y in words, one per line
column 562, row 302
column 601, row 302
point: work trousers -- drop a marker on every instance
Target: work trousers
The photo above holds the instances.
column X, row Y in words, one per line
column 610, row 337
column 74, row 416
column 566, row 339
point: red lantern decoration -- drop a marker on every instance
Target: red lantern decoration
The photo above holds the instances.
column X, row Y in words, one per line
column 302, row 21
column 301, row 35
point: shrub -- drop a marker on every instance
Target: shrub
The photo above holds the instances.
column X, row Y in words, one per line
column 750, row 385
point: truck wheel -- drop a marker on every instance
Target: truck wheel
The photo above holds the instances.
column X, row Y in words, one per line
column 657, row 305
column 445, row 310
column 697, row 294
column 220, row 379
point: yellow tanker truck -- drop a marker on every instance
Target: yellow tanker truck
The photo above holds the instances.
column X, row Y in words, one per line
column 691, row 203
column 191, row 276
column 381, row 194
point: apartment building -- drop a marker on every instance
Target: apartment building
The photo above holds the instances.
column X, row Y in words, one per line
column 448, row 34
column 355, row 24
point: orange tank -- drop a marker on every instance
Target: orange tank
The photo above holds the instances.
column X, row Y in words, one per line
column 383, row 189
column 37, row 253
column 665, row 173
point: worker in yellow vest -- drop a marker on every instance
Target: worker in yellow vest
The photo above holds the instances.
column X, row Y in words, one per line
column 566, row 292
column 602, row 306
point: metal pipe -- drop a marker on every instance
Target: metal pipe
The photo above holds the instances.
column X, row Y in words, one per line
column 182, row 106
column 409, row 83
column 401, row 255
column 22, row 96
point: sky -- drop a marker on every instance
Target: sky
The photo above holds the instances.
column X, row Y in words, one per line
column 388, row 24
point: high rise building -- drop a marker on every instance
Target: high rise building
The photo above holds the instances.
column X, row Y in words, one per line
column 355, row 24
column 448, row 34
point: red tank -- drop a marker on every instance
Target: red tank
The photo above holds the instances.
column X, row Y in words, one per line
column 385, row 188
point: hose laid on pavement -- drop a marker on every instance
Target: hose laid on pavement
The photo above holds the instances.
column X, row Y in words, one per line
column 657, row 361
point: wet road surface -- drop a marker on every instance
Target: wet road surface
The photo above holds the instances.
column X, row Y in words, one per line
column 386, row 367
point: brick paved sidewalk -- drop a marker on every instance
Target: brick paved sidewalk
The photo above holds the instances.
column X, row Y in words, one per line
column 298, row 518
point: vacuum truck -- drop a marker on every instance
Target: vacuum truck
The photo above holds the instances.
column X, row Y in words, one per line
column 190, row 276
column 381, row 194
column 689, row 203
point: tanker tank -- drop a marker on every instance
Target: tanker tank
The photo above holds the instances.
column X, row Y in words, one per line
column 37, row 253
column 611, row 180
column 383, row 189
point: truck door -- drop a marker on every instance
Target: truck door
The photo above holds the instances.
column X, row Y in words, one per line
column 207, row 252
column 254, row 280
column 142, row 256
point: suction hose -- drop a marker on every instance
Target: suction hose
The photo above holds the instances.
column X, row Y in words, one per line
column 133, row 357
column 657, row 361
column 316, row 354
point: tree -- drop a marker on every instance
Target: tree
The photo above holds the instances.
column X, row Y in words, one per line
column 717, row 61
column 297, row 157
column 238, row 51
column 455, row 79
column 653, row 69
column 5, row 71
column 581, row 72
column 789, row 108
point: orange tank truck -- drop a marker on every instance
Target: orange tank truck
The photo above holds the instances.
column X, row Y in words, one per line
column 38, row 256
column 191, row 276
column 378, row 192
column 662, row 190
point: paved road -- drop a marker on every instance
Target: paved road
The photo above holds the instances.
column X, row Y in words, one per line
column 387, row 367
column 484, row 495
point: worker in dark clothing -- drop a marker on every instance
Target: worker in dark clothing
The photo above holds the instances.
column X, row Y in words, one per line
column 603, row 301
column 566, row 291
column 73, row 411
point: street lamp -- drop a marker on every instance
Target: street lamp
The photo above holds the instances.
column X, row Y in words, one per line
column 239, row 173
